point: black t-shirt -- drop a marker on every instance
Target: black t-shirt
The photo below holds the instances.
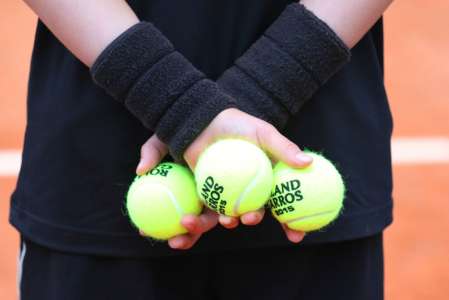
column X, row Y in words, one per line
column 82, row 147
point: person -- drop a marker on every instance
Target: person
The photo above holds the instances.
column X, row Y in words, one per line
column 112, row 78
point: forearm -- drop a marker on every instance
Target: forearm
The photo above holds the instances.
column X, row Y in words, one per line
column 297, row 54
column 136, row 64
column 348, row 18
column 85, row 27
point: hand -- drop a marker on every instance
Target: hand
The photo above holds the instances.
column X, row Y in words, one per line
column 235, row 123
column 152, row 152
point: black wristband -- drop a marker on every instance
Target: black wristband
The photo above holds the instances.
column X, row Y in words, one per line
column 296, row 55
column 251, row 98
column 159, row 86
column 277, row 72
column 193, row 112
column 310, row 41
column 127, row 57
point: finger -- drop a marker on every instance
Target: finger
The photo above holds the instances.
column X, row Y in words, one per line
column 281, row 148
column 293, row 236
column 197, row 225
column 192, row 223
column 184, row 241
column 253, row 218
column 151, row 153
column 209, row 219
column 228, row 222
column 200, row 224
column 193, row 152
column 195, row 149
column 191, row 156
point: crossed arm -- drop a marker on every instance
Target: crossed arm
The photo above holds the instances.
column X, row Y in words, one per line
column 84, row 27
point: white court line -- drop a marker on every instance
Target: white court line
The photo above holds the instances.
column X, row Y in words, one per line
column 10, row 161
column 405, row 151
column 423, row 150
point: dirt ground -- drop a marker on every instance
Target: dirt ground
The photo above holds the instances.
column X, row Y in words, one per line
column 417, row 79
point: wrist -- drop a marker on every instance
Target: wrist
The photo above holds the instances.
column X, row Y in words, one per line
column 282, row 70
column 142, row 70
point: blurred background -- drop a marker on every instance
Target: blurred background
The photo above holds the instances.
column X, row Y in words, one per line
column 417, row 80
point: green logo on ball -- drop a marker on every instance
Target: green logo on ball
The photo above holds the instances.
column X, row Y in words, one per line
column 211, row 192
column 161, row 170
column 284, row 195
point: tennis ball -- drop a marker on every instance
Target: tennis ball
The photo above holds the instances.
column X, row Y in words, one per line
column 307, row 199
column 158, row 200
column 233, row 177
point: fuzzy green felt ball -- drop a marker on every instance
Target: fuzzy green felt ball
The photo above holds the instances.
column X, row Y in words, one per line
column 233, row 177
column 158, row 200
column 307, row 199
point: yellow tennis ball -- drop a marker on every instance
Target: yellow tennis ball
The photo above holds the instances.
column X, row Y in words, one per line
column 158, row 200
column 233, row 177
column 307, row 199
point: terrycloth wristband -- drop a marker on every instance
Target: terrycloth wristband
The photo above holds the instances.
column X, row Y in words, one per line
column 295, row 56
column 142, row 70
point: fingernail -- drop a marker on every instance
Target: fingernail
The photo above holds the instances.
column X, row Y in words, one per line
column 297, row 238
column 176, row 244
column 249, row 219
column 189, row 222
column 225, row 220
column 190, row 225
column 303, row 158
column 252, row 218
column 139, row 166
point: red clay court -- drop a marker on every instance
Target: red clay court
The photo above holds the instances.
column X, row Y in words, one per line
column 417, row 79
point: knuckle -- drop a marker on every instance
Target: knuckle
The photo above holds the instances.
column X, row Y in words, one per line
column 291, row 147
column 266, row 134
column 159, row 147
column 144, row 149
column 268, row 129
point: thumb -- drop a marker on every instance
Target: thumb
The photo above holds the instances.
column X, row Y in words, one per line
column 194, row 151
column 151, row 153
column 281, row 148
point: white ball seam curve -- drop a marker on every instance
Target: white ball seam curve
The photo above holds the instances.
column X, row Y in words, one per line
column 309, row 216
column 248, row 188
column 172, row 198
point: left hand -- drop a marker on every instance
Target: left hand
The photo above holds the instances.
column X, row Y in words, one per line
column 235, row 123
column 152, row 152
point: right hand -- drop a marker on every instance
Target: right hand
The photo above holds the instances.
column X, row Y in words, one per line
column 235, row 123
